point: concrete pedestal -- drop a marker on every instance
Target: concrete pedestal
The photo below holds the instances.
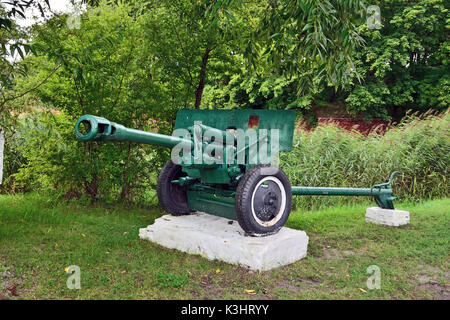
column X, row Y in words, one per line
column 387, row 217
column 218, row 238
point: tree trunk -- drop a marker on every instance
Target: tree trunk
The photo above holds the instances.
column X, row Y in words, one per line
column 126, row 188
column 91, row 187
column 2, row 144
column 201, row 82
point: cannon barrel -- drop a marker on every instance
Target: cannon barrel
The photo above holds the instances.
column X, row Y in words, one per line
column 92, row 128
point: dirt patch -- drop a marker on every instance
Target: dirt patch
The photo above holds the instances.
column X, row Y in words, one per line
column 233, row 282
column 211, row 290
column 212, row 285
column 430, row 280
column 428, row 268
column 331, row 253
column 295, row 286
column 441, row 292
column 9, row 284
column 431, row 274
column 423, row 278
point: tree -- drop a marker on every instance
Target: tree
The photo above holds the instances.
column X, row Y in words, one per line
column 405, row 63
column 310, row 35
column 188, row 48
column 129, row 64
column 14, row 41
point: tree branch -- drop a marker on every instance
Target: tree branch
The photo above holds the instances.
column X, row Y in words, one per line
column 5, row 100
column 202, row 76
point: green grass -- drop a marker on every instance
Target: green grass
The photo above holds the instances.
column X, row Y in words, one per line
column 39, row 238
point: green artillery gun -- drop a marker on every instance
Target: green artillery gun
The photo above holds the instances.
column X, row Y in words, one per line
column 222, row 163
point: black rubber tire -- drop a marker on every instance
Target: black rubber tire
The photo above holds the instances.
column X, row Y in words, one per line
column 244, row 194
column 171, row 196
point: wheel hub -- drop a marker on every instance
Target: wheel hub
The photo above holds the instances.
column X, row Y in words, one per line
column 267, row 201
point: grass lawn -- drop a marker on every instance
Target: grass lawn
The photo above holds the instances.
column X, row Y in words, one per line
column 40, row 238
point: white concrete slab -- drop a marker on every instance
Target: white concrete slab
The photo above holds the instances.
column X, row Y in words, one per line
column 215, row 238
column 387, row 217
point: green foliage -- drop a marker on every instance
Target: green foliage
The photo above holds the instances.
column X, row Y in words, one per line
column 247, row 92
column 188, row 50
column 14, row 44
column 299, row 36
column 371, row 99
column 405, row 63
column 329, row 156
column 135, row 66
column 54, row 161
column 99, row 70
column 402, row 66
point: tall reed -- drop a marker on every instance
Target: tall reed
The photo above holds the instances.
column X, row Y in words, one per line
column 329, row 156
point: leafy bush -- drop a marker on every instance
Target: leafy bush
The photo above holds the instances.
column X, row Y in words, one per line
column 56, row 162
column 330, row 156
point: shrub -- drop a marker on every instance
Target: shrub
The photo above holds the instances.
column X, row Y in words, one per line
column 56, row 163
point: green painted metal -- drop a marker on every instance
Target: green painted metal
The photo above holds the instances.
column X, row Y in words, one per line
column 211, row 187
column 328, row 191
column 203, row 126
column 215, row 176
column 283, row 120
column 382, row 193
column 212, row 203
column 101, row 129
